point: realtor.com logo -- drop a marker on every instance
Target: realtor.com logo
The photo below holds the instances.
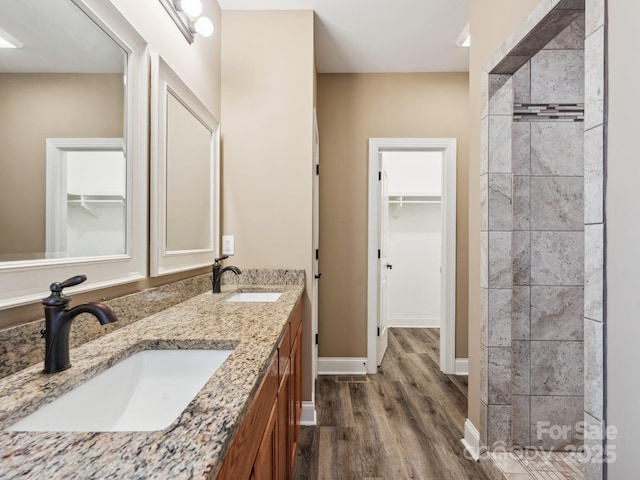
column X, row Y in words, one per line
column 590, row 443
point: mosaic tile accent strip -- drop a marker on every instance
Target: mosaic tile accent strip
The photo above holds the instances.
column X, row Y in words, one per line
column 546, row 112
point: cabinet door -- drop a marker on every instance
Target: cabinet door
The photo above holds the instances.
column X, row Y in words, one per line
column 265, row 467
column 283, row 438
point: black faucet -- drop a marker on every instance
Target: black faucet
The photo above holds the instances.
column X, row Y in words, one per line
column 58, row 322
column 218, row 271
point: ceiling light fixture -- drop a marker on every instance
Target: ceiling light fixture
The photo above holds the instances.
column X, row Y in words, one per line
column 464, row 40
column 7, row 41
column 186, row 15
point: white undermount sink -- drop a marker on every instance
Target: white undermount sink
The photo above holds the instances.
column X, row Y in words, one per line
column 254, row 297
column 145, row 392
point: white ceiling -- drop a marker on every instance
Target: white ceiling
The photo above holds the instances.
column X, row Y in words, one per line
column 363, row 36
column 57, row 37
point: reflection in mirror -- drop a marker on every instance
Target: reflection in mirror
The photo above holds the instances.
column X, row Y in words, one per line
column 66, row 80
column 86, row 197
column 72, row 92
column 184, row 175
column 188, row 179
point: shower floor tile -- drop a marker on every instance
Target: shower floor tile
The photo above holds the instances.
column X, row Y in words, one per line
column 537, row 465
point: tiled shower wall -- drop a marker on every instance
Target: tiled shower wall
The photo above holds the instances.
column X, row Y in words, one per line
column 547, row 247
column 533, row 243
column 535, row 286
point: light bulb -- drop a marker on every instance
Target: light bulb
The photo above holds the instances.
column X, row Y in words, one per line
column 192, row 8
column 204, row 27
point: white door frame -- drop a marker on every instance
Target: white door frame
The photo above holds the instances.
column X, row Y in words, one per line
column 448, row 279
column 56, row 186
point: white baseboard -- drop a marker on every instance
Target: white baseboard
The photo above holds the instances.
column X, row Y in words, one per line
column 308, row 417
column 462, row 366
column 414, row 322
column 342, row 365
column 471, row 440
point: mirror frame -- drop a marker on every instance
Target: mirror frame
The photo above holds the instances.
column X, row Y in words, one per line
column 165, row 81
column 26, row 281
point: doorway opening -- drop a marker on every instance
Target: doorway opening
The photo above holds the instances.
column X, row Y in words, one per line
column 411, row 178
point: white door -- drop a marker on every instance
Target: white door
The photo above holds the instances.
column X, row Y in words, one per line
column 383, row 268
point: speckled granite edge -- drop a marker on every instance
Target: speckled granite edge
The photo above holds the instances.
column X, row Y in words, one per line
column 23, row 346
column 196, row 443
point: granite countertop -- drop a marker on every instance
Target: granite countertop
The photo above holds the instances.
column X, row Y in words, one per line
column 195, row 444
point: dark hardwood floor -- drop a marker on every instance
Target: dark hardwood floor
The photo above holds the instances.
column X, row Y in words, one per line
column 406, row 422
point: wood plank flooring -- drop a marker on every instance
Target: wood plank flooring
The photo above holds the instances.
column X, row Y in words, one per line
column 406, row 422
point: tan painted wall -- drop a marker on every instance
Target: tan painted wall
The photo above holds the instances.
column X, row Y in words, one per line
column 351, row 109
column 267, row 144
column 36, row 107
column 491, row 22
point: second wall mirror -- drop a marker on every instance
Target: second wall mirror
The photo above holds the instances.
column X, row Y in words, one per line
column 184, row 175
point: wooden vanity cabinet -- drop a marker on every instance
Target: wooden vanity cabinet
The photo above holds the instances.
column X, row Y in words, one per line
column 264, row 447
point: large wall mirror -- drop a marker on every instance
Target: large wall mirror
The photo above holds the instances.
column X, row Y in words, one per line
column 73, row 116
column 184, row 175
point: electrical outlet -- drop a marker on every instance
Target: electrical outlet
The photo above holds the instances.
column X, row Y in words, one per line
column 228, row 245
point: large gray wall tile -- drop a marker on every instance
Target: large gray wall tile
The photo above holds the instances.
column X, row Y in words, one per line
column 500, row 211
column 557, row 313
column 594, row 79
column 557, row 76
column 521, row 420
column 484, row 202
column 500, row 144
column 521, row 203
column 571, row 38
column 522, row 84
column 594, row 16
column 499, row 325
column 484, row 145
column 593, row 368
column 520, row 319
column 521, row 251
column 484, row 316
column 557, row 368
column 484, row 259
column 484, row 94
column 594, row 271
column 521, row 368
column 557, row 148
column 594, row 442
column 500, row 95
column 549, row 411
column 498, row 426
column 557, row 203
column 484, row 374
column 594, row 175
column 557, row 258
column 499, row 371
column 482, row 428
column 500, row 265
column 521, row 148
